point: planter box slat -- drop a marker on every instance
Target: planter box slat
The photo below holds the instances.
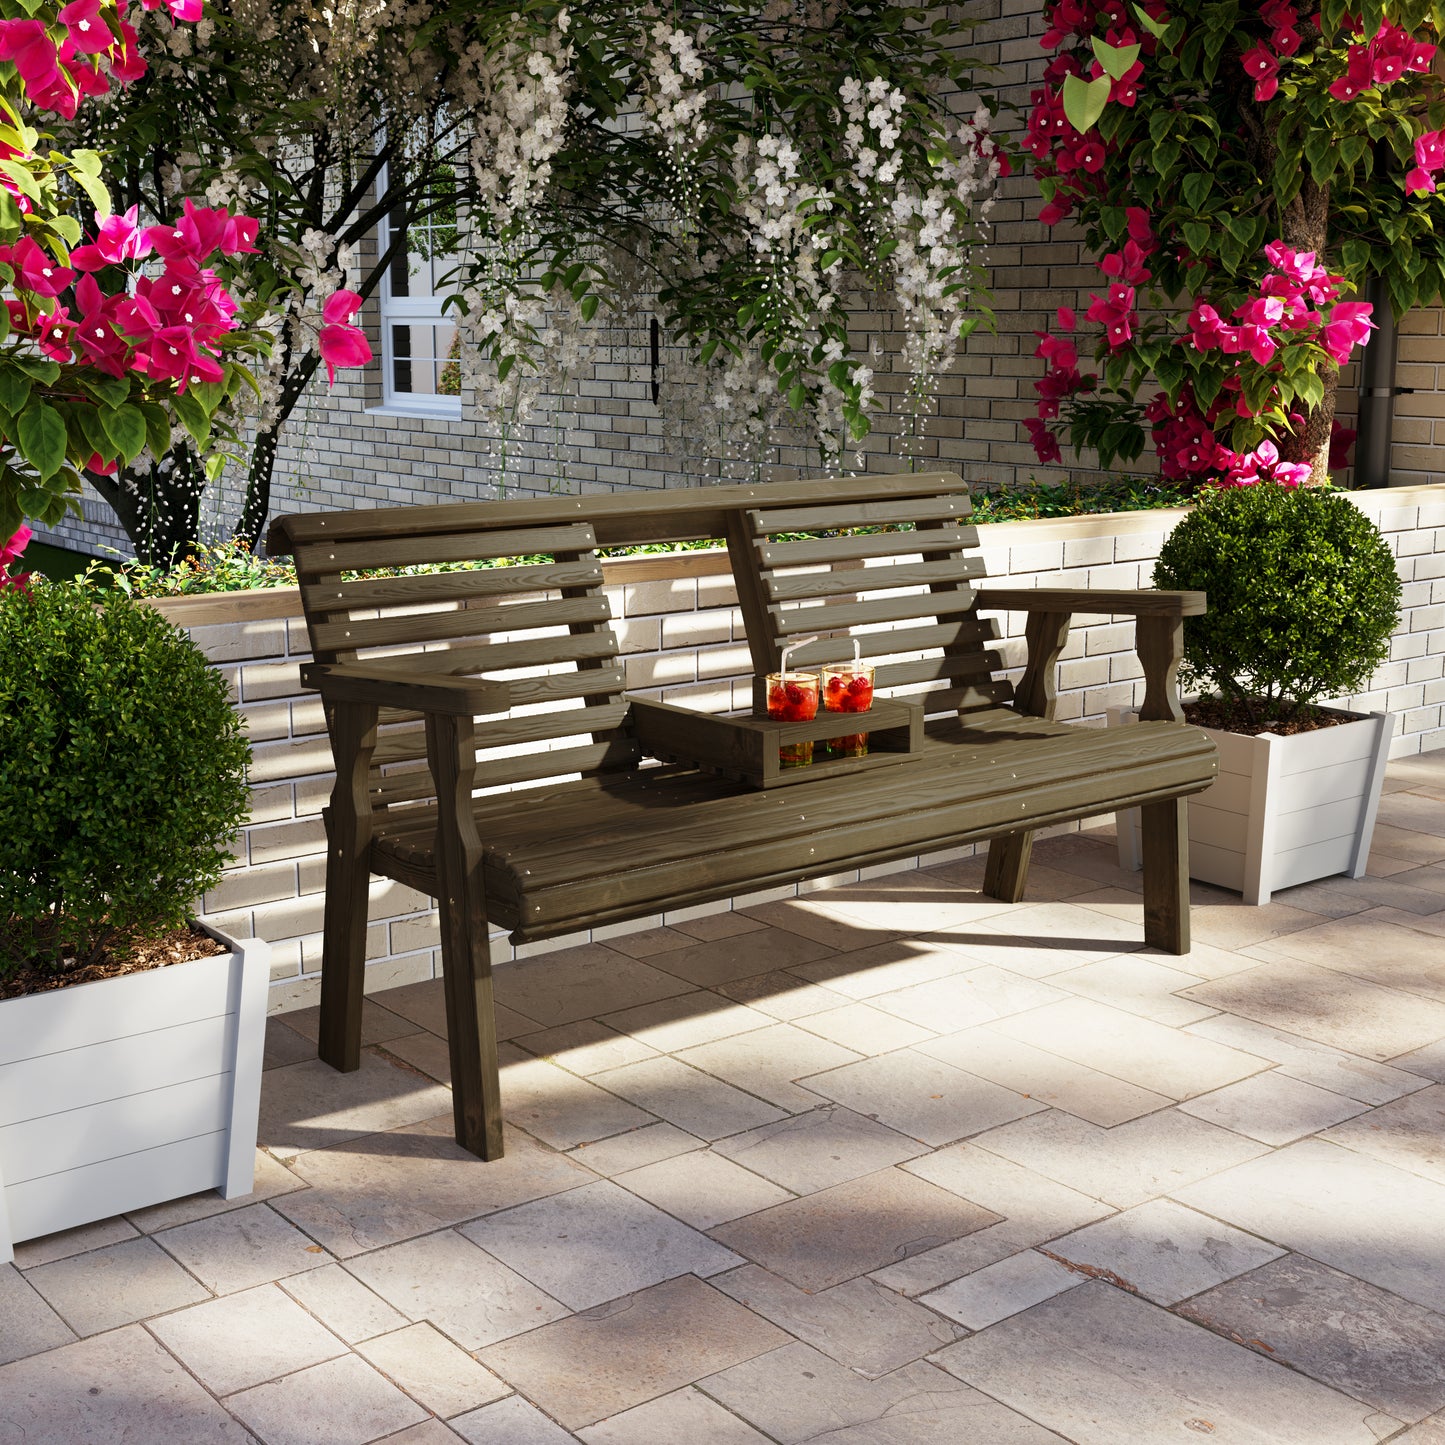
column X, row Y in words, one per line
column 159, row 999
column 1316, row 823
column 62, row 1201
column 1312, row 860
column 116, row 1127
column 1326, row 785
column 53, row 1085
column 1224, row 867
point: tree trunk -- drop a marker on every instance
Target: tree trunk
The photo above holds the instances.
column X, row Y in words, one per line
column 160, row 507
column 1304, row 226
column 257, row 506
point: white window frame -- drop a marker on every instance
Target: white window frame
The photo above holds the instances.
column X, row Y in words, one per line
column 403, row 310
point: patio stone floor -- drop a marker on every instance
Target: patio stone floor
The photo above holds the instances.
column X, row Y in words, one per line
column 892, row 1164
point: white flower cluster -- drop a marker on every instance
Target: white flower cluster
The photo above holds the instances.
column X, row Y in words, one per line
column 520, row 120
column 932, row 231
column 675, row 104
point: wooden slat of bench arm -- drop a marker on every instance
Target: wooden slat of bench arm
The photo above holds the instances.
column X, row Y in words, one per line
column 415, row 689
column 1141, row 602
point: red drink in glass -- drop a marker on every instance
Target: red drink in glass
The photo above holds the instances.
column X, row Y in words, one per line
column 848, row 688
column 793, row 697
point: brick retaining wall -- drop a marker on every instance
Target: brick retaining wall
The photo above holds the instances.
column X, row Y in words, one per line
column 682, row 640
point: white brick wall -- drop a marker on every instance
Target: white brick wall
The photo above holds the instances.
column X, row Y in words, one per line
column 683, row 641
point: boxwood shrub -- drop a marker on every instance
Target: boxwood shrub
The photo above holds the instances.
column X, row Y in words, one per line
column 1303, row 598
column 122, row 775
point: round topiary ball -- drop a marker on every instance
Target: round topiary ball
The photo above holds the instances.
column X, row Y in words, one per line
column 1303, row 597
column 122, row 774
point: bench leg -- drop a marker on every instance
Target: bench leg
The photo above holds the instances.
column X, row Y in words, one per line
column 343, row 959
column 1007, row 870
column 471, row 1031
column 1165, row 846
column 348, row 877
column 466, row 958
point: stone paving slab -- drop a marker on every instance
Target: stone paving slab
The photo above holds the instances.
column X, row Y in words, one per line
column 1336, row 1329
column 607, row 1359
column 839, row 1233
column 1103, row 1367
column 765, row 1174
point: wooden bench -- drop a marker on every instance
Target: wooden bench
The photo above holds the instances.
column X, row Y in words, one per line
column 488, row 756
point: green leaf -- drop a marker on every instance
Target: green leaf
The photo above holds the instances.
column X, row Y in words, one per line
column 158, row 428
column 1156, row 28
column 1196, row 236
column 1116, row 59
column 41, row 436
column 589, row 306
column 1084, row 100
column 14, row 387
column 1196, row 189
column 126, row 428
column 94, row 187
column 193, row 417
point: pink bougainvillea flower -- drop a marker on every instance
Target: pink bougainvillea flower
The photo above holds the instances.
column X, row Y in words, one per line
column 10, row 552
column 1342, row 441
column 117, row 240
column 1206, row 328
column 1067, row 319
column 1262, row 67
column 1418, row 181
column 340, row 307
column 28, row 44
column 1359, row 75
column 343, row 346
column 1349, row 325
column 1055, row 351
column 188, row 11
column 1430, row 150
column 127, row 64
column 37, row 270
column 88, row 31
column 1045, row 443
column 53, row 334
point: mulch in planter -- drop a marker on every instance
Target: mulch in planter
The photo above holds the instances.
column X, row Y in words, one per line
column 179, row 945
column 1230, row 717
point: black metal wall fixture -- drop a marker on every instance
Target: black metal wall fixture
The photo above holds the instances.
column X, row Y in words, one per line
column 1377, row 392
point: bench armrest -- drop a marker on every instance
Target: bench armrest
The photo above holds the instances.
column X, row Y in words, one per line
column 1158, row 639
column 1141, row 602
column 414, row 689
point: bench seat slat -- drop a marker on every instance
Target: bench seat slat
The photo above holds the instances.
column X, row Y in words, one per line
column 799, row 586
column 326, row 597
column 321, row 558
column 464, row 622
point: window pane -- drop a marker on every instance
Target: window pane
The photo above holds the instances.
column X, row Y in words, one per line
column 424, row 359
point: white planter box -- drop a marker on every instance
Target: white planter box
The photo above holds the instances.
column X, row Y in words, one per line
column 1284, row 810
column 130, row 1091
